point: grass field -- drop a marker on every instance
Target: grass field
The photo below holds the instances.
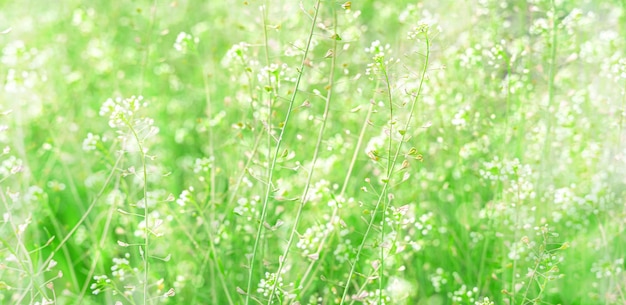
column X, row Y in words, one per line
column 313, row 152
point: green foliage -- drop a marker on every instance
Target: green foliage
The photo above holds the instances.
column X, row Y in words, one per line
column 315, row 152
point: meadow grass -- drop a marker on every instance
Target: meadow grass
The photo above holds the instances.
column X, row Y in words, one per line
column 314, row 152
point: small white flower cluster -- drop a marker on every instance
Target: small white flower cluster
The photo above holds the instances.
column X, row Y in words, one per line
column 419, row 29
column 313, row 236
column 505, row 170
column 375, row 145
column 574, row 206
column 344, row 250
column 15, row 52
column 571, row 113
column 83, row 19
column 203, row 165
column 33, row 195
column 122, row 116
column 266, row 284
column 99, row 53
column 116, row 197
column 577, row 19
column 419, row 228
column 439, row 279
column 318, row 191
column 461, row 117
column 152, row 198
column 495, row 55
column 186, row 197
column 277, row 74
column 399, row 289
column 121, row 266
column 379, row 53
column 376, row 297
column 121, row 111
column 339, row 202
column 44, row 301
column 156, row 226
column 471, row 57
column 426, row 20
column 480, row 145
column 236, row 55
column 21, row 81
column 485, row 301
column 517, row 189
column 186, row 43
column 247, row 208
column 476, row 237
column 409, row 13
column 102, row 283
column 10, row 166
column 91, row 142
column 608, row 268
column 423, row 225
column 315, row 299
column 395, row 216
column 464, row 295
column 539, row 26
column 55, row 185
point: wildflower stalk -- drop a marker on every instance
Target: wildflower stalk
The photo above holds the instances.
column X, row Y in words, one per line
column 244, row 170
column 355, row 154
column 83, row 218
column 387, row 179
column 379, row 268
column 215, row 260
column 490, row 221
column 515, row 241
column 390, row 166
column 303, row 198
column 622, row 114
column 98, row 254
column 272, row 164
column 146, row 54
column 145, row 253
column 144, row 62
column 15, row 251
column 209, row 114
column 270, row 169
column 551, row 76
column 212, row 183
column 248, row 73
column 533, row 276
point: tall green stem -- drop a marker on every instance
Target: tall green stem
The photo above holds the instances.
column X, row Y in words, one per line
column 272, row 164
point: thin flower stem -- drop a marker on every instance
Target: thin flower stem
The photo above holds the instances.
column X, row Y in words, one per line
column 272, row 165
column 146, row 54
column 551, row 91
column 98, row 254
column 371, row 274
column 386, row 183
column 344, row 187
column 303, row 198
column 355, row 154
column 269, row 153
column 244, row 170
column 87, row 212
column 146, row 216
column 16, row 253
column 390, row 166
column 209, row 114
column 144, row 62
column 212, row 184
